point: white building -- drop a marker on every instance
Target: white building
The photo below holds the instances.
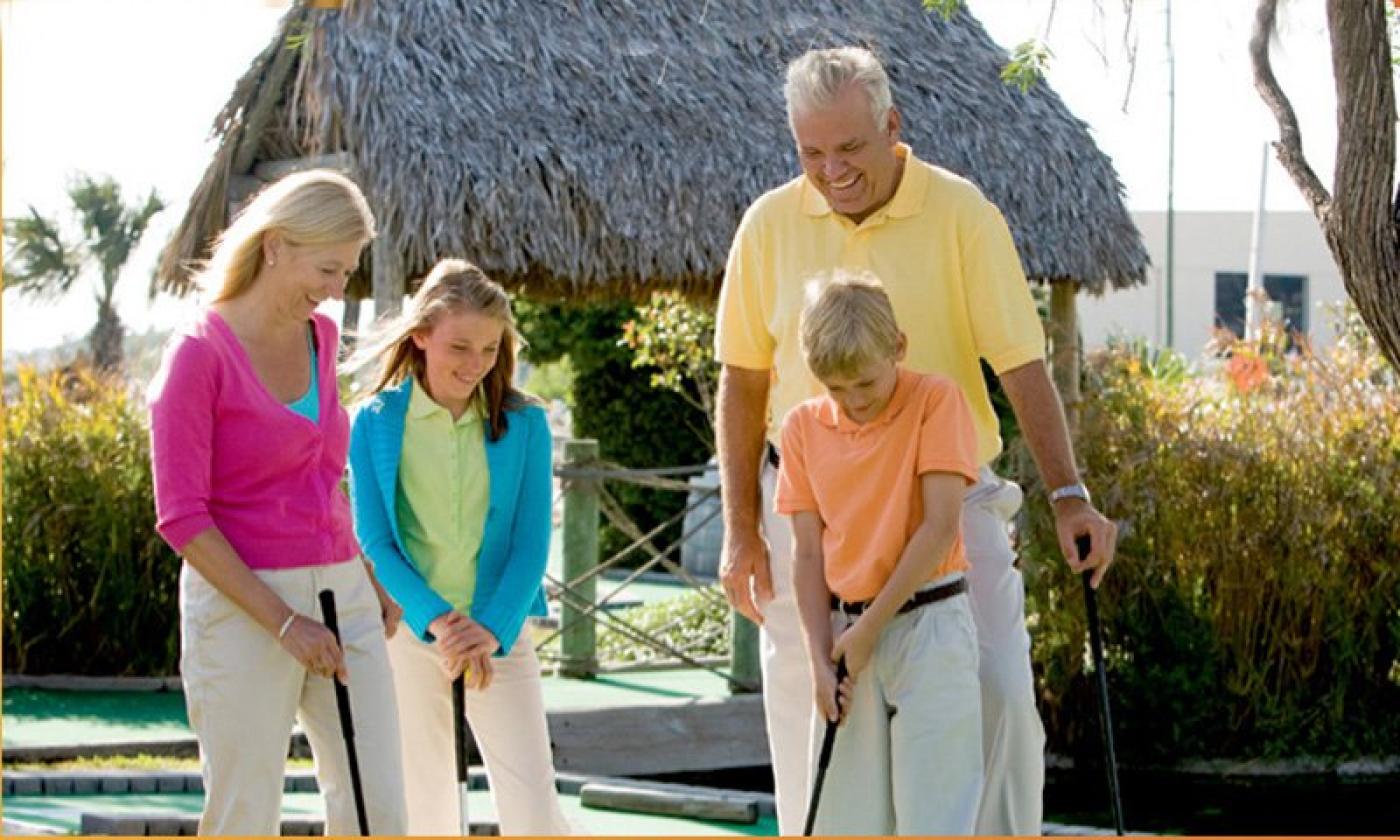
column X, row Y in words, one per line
column 1210, row 264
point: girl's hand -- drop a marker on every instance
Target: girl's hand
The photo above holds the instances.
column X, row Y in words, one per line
column 456, row 636
column 478, row 670
column 389, row 609
column 313, row 645
column 857, row 644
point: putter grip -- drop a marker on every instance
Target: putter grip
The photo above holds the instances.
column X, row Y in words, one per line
column 342, row 695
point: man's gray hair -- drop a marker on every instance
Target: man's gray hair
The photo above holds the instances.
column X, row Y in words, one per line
column 817, row 77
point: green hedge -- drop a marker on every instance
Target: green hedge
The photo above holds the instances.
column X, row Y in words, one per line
column 1254, row 608
column 89, row 588
column 635, row 424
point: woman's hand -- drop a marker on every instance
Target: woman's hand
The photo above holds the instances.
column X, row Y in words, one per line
column 313, row 645
column 389, row 609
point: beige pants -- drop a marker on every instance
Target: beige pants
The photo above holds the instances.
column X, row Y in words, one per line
column 908, row 758
column 1013, row 741
column 243, row 691
column 508, row 723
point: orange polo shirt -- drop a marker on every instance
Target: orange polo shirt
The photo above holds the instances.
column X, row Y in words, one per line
column 863, row 479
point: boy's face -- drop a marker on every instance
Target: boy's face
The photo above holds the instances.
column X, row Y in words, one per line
column 865, row 393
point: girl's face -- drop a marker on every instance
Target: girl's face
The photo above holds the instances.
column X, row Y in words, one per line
column 460, row 349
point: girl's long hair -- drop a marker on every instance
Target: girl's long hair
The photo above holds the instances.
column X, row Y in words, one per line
column 452, row 286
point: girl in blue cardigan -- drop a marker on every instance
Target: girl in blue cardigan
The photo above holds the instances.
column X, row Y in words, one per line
column 450, row 479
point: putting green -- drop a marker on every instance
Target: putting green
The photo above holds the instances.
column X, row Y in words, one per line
column 47, row 718
column 64, row 813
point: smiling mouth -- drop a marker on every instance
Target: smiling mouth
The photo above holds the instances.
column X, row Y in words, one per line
column 844, row 185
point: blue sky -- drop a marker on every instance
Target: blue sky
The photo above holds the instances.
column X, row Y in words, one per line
column 130, row 88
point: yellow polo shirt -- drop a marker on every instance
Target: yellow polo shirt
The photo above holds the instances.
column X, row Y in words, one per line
column 443, row 492
column 944, row 255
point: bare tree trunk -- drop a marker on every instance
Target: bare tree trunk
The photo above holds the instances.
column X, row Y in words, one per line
column 105, row 340
column 1359, row 222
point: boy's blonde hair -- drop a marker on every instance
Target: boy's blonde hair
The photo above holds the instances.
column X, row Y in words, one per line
column 847, row 323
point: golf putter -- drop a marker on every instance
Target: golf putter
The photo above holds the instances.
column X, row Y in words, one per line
column 459, row 734
column 824, row 758
column 1091, row 609
column 347, row 723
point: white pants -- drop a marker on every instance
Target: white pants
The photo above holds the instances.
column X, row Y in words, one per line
column 242, row 691
column 908, row 758
column 508, row 722
column 1013, row 741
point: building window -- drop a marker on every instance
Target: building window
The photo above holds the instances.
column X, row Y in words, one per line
column 1288, row 296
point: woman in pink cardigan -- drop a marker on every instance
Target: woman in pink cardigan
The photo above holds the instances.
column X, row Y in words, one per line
column 249, row 443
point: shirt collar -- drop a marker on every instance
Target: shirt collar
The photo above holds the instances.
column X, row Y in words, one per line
column 908, row 198
column 420, row 405
column 829, row 414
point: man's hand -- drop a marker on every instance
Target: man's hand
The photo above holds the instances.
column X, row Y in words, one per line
column 746, row 574
column 1075, row 518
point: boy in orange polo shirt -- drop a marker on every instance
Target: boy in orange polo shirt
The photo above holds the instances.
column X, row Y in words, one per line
column 873, row 475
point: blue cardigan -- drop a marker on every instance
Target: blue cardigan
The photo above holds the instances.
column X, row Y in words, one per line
column 515, row 543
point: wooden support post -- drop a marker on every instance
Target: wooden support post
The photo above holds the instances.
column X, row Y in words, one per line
column 350, row 323
column 578, row 639
column 387, row 267
column 743, row 654
column 1064, row 335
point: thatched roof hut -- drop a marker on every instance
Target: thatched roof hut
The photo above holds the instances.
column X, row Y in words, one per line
column 608, row 147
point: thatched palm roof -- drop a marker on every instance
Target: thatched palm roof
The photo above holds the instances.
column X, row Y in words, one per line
column 609, row 146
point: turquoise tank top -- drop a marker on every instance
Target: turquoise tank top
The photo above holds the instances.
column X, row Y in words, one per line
column 309, row 405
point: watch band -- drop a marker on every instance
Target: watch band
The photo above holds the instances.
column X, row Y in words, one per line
column 1070, row 491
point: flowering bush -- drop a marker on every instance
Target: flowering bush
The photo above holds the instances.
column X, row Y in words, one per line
column 1255, row 605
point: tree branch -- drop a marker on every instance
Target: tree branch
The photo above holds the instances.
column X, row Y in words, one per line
column 1290, row 143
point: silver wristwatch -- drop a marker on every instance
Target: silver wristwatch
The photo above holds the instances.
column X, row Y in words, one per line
column 1070, row 491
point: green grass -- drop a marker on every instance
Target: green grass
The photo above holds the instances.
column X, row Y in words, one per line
column 142, row 761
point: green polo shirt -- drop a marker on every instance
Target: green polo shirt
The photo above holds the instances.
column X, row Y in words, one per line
column 442, row 495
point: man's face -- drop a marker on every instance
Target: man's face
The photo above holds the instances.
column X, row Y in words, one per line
column 847, row 155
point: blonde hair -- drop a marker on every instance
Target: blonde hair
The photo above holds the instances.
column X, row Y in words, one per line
column 453, row 286
column 817, row 77
column 315, row 207
column 847, row 323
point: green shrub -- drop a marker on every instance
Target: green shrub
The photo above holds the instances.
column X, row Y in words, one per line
column 89, row 587
column 1254, row 608
column 635, row 424
column 695, row 623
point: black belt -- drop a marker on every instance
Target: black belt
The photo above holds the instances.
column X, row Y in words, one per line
column 919, row 599
column 772, row 453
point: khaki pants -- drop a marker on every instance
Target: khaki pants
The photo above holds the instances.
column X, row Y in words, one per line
column 908, row 758
column 243, row 692
column 1013, row 741
column 508, row 722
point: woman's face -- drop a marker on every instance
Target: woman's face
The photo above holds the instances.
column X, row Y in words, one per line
column 460, row 348
column 308, row 274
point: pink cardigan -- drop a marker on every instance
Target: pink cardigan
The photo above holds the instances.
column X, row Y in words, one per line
column 226, row 454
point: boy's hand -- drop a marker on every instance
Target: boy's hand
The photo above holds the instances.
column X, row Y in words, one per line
column 857, row 644
column 824, row 682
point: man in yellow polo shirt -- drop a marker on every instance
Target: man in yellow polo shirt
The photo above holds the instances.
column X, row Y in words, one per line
column 946, row 257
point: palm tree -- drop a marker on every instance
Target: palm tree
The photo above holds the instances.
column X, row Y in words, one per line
column 42, row 266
